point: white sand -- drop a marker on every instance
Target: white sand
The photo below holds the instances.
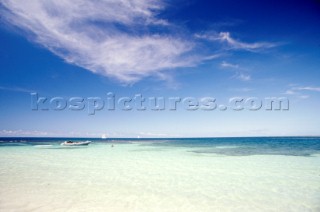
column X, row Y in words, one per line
column 133, row 177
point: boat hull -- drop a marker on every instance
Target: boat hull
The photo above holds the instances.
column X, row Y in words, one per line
column 85, row 143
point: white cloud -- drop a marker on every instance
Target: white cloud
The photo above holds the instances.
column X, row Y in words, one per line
column 240, row 73
column 307, row 88
column 225, row 36
column 290, row 92
column 236, row 44
column 304, row 97
column 102, row 36
column 13, row 133
column 37, row 133
column 16, row 89
column 229, row 65
column 211, row 57
column 113, row 37
column 244, row 77
column 299, row 91
column 242, row 89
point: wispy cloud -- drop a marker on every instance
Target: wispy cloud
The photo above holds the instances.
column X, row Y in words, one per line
column 290, row 92
column 211, row 57
column 114, row 38
column 307, row 88
column 109, row 37
column 13, row 133
column 304, row 96
column 242, row 89
column 234, row 43
column 243, row 77
column 54, row 133
column 295, row 89
column 240, row 73
column 225, row 36
column 299, row 91
column 224, row 64
column 16, row 89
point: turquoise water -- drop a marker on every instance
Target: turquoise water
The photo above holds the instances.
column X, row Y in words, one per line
column 209, row 174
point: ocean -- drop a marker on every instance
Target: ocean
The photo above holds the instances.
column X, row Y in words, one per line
column 187, row 174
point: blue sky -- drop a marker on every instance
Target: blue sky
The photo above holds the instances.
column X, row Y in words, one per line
column 219, row 49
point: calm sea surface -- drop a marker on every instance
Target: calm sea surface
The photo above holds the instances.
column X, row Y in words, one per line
column 191, row 174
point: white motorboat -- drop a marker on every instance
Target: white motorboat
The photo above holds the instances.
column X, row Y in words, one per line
column 72, row 143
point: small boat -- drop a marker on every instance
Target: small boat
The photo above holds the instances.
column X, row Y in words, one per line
column 72, row 143
column 103, row 136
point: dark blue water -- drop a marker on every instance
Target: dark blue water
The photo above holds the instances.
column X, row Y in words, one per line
column 244, row 146
column 293, row 146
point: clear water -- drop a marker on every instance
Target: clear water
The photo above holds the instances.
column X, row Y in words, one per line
column 199, row 174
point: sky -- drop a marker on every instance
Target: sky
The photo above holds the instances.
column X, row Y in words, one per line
column 157, row 48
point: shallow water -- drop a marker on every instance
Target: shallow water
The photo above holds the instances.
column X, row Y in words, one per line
column 229, row 174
